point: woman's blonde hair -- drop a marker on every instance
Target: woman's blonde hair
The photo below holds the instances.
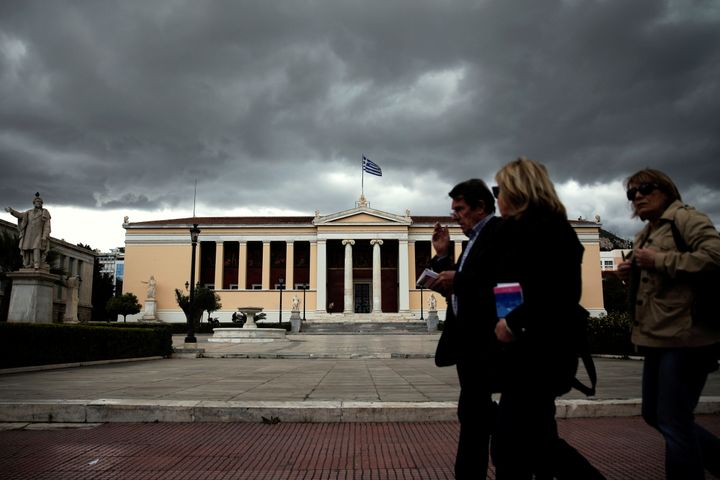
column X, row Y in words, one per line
column 526, row 186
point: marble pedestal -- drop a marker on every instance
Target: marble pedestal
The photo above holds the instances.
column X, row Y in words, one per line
column 149, row 311
column 31, row 299
column 295, row 321
column 432, row 321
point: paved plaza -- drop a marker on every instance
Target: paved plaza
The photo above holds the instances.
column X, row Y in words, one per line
column 338, row 407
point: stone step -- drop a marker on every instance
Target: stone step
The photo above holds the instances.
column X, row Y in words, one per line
column 363, row 327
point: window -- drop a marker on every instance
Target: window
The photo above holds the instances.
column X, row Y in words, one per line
column 256, row 286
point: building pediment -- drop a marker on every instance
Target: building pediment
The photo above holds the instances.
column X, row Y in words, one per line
column 362, row 216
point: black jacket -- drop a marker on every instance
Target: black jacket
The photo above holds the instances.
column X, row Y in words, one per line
column 543, row 254
column 469, row 337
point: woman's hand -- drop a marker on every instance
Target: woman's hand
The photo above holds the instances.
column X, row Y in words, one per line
column 645, row 258
column 502, row 332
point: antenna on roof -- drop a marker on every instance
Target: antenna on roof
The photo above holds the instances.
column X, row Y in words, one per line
column 194, row 198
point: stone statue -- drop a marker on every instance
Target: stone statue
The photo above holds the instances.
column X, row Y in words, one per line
column 34, row 233
column 433, row 303
column 126, row 220
column 151, row 283
column 71, row 307
column 295, row 304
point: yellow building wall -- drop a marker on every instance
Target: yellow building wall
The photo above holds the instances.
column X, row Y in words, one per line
column 170, row 264
column 592, row 294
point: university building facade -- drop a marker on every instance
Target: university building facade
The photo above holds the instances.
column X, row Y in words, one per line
column 358, row 264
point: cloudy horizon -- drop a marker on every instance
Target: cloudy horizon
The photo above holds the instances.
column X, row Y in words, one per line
column 111, row 108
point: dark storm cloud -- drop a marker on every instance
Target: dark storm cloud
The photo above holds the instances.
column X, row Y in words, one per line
column 126, row 103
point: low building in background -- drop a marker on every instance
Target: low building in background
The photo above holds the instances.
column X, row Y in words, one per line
column 71, row 260
column 112, row 263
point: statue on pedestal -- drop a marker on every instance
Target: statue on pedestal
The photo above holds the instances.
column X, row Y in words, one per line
column 34, row 233
column 151, row 283
column 295, row 304
column 433, row 303
column 71, row 307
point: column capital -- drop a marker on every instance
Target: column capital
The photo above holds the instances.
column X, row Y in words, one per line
column 376, row 241
column 348, row 242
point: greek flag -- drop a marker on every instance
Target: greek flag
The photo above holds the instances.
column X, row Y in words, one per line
column 371, row 167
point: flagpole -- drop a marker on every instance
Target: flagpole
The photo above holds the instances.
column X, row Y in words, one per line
column 362, row 178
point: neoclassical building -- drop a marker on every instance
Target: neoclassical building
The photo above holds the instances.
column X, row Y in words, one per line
column 354, row 265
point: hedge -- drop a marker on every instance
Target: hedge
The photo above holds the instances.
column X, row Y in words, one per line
column 610, row 334
column 44, row 344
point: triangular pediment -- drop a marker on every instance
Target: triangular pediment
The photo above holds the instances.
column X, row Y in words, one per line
column 362, row 216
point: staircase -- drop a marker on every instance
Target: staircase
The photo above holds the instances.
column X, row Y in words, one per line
column 367, row 328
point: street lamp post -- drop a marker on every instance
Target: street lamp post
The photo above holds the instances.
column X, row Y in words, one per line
column 421, row 303
column 190, row 338
column 281, row 283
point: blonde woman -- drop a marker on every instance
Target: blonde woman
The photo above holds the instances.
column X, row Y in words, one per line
column 540, row 357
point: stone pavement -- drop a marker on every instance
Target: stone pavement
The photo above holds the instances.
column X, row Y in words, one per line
column 378, row 409
column 322, row 378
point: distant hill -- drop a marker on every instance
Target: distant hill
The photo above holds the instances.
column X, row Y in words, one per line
column 610, row 241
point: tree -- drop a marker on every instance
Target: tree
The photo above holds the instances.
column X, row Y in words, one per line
column 125, row 304
column 205, row 299
column 102, row 291
column 10, row 261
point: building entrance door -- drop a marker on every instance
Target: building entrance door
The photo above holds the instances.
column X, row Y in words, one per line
column 363, row 301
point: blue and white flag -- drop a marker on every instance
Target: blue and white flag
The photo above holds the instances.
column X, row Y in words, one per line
column 371, row 167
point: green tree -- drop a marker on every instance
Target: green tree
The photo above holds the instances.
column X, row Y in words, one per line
column 615, row 294
column 10, row 261
column 102, row 292
column 125, row 304
column 205, row 299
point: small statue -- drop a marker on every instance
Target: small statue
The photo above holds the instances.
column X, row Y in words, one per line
column 151, row 283
column 433, row 303
column 34, row 233
column 126, row 220
column 295, row 303
column 71, row 307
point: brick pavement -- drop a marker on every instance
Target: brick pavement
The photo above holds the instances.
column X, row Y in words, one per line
column 622, row 448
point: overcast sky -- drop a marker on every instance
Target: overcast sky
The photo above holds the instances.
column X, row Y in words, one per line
column 114, row 108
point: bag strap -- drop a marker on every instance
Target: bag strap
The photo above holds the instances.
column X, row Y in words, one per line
column 680, row 242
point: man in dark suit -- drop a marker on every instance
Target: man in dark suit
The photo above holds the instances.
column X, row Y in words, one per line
column 468, row 340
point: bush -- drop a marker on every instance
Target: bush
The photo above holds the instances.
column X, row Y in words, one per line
column 44, row 344
column 610, row 334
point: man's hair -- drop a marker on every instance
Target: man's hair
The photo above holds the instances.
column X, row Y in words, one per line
column 474, row 192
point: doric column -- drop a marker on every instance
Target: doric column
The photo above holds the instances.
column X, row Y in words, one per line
column 219, row 264
column 404, row 285
column 458, row 251
column 289, row 264
column 412, row 274
column 242, row 266
column 377, row 282
column 348, row 307
column 266, row 265
column 321, row 270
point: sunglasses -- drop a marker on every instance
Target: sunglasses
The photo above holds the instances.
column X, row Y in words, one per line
column 644, row 188
column 496, row 191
